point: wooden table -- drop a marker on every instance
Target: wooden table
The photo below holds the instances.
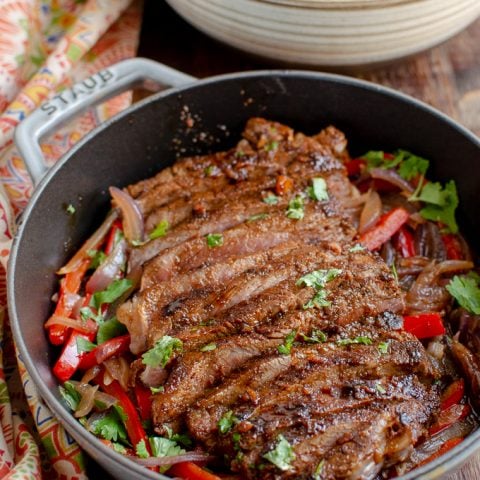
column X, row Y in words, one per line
column 447, row 77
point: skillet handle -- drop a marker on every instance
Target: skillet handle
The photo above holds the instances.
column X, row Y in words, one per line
column 101, row 86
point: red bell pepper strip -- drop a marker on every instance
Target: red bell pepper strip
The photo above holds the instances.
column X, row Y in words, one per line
column 110, row 243
column 448, row 417
column 69, row 285
column 70, row 358
column 114, row 347
column 190, row 471
column 133, row 425
column 453, row 394
column 354, row 167
column 448, row 445
column 453, row 247
column 143, row 396
column 424, row 325
column 386, row 227
column 404, row 243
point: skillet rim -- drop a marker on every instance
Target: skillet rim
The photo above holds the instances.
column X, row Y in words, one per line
column 448, row 462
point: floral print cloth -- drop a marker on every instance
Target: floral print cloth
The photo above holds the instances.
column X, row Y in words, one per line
column 45, row 45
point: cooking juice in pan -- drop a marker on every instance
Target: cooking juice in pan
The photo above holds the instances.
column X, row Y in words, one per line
column 277, row 310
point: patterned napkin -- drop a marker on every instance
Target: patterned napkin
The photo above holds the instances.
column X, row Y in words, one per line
column 45, row 45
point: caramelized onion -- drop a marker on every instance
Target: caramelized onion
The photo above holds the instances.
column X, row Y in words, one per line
column 91, row 244
column 172, row 460
column 133, row 226
column 371, row 212
column 87, row 402
column 109, row 269
column 391, row 176
column 86, row 327
column 118, row 369
column 90, row 374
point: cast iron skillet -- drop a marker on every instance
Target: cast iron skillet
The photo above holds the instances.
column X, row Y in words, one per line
column 148, row 137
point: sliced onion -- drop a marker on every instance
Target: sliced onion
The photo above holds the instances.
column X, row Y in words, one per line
column 355, row 201
column 392, row 177
column 109, row 269
column 133, row 226
column 437, row 349
column 86, row 327
column 450, row 266
column 371, row 212
column 172, row 460
column 119, row 370
column 106, row 400
column 91, row 244
column 90, row 374
column 87, row 402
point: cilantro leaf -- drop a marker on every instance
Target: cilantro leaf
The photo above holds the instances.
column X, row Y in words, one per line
column 318, row 471
column 86, row 313
column 282, row 455
column 70, row 209
column 141, row 449
column 318, row 278
column 70, row 395
column 208, row 347
column 84, row 345
column 352, row 341
column 119, row 448
column 113, row 292
column 318, row 190
column 296, row 208
column 379, row 388
column 110, row 329
column 258, row 216
column 412, row 165
column 162, row 351
column 270, row 199
column 319, row 300
column 160, row 230
column 383, row 347
column 357, row 248
column 466, row 292
column 214, row 240
column 159, row 389
column 97, row 256
column 394, row 271
column 271, row 146
column 374, row 158
column 226, row 423
column 286, row 347
column 317, row 336
column 109, row 426
column 164, row 447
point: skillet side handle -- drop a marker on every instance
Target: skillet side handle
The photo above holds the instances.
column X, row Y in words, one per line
column 93, row 90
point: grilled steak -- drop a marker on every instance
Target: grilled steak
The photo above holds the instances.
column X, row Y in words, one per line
column 291, row 339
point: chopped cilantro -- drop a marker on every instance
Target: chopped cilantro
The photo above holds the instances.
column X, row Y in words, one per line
column 412, row 165
column 97, row 256
column 210, row 170
column 394, row 272
column 318, row 190
column 286, row 347
column 182, row 438
column 282, row 455
column 226, row 423
column 141, row 449
column 162, row 351
column 113, row 292
column 357, row 248
column 119, row 448
column 258, row 216
column 295, row 208
column 317, row 336
column 160, row 230
column 164, row 447
column 441, row 203
column 84, row 345
column 110, row 329
column 208, row 347
column 271, row 146
column 86, row 313
column 383, row 347
column 466, row 292
column 159, row 389
column 214, row 240
column 70, row 395
column 236, row 437
column 70, row 209
column 377, row 159
column 317, row 280
column 270, row 199
column 319, row 300
column 109, row 426
column 318, row 471
column 352, row 341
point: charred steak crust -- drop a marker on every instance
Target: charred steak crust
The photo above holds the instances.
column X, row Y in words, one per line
column 268, row 360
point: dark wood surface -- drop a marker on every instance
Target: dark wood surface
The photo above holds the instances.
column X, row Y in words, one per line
column 447, row 77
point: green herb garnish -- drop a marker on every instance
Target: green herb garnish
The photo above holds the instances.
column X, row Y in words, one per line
column 70, row 209
column 110, row 427
column 214, row 240
column 383, row 347
column 97, row 256
column 163, row 350
column 318, row 190
column 141, row 449
column 209, row 347
column 226, row 423
column 296, row 208
column 160, row 230
column 258, row 216
column 113, row 292
column 466, row 291
column 317, row 336
column 110, row 329
column 271, row 199
column 159, row 389
column 317, row 280
column 394, row 272
column 318, row 471
column 380, row 389
column 271, row 146
column 357, row 248
column 286, row 347
column 353, row 341
column 70, row 395
column 282, row 455
column 412, row 165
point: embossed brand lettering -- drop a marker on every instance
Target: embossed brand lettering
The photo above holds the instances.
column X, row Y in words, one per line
column 86, row 87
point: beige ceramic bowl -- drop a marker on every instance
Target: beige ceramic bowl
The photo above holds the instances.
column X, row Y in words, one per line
column 330, row 32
